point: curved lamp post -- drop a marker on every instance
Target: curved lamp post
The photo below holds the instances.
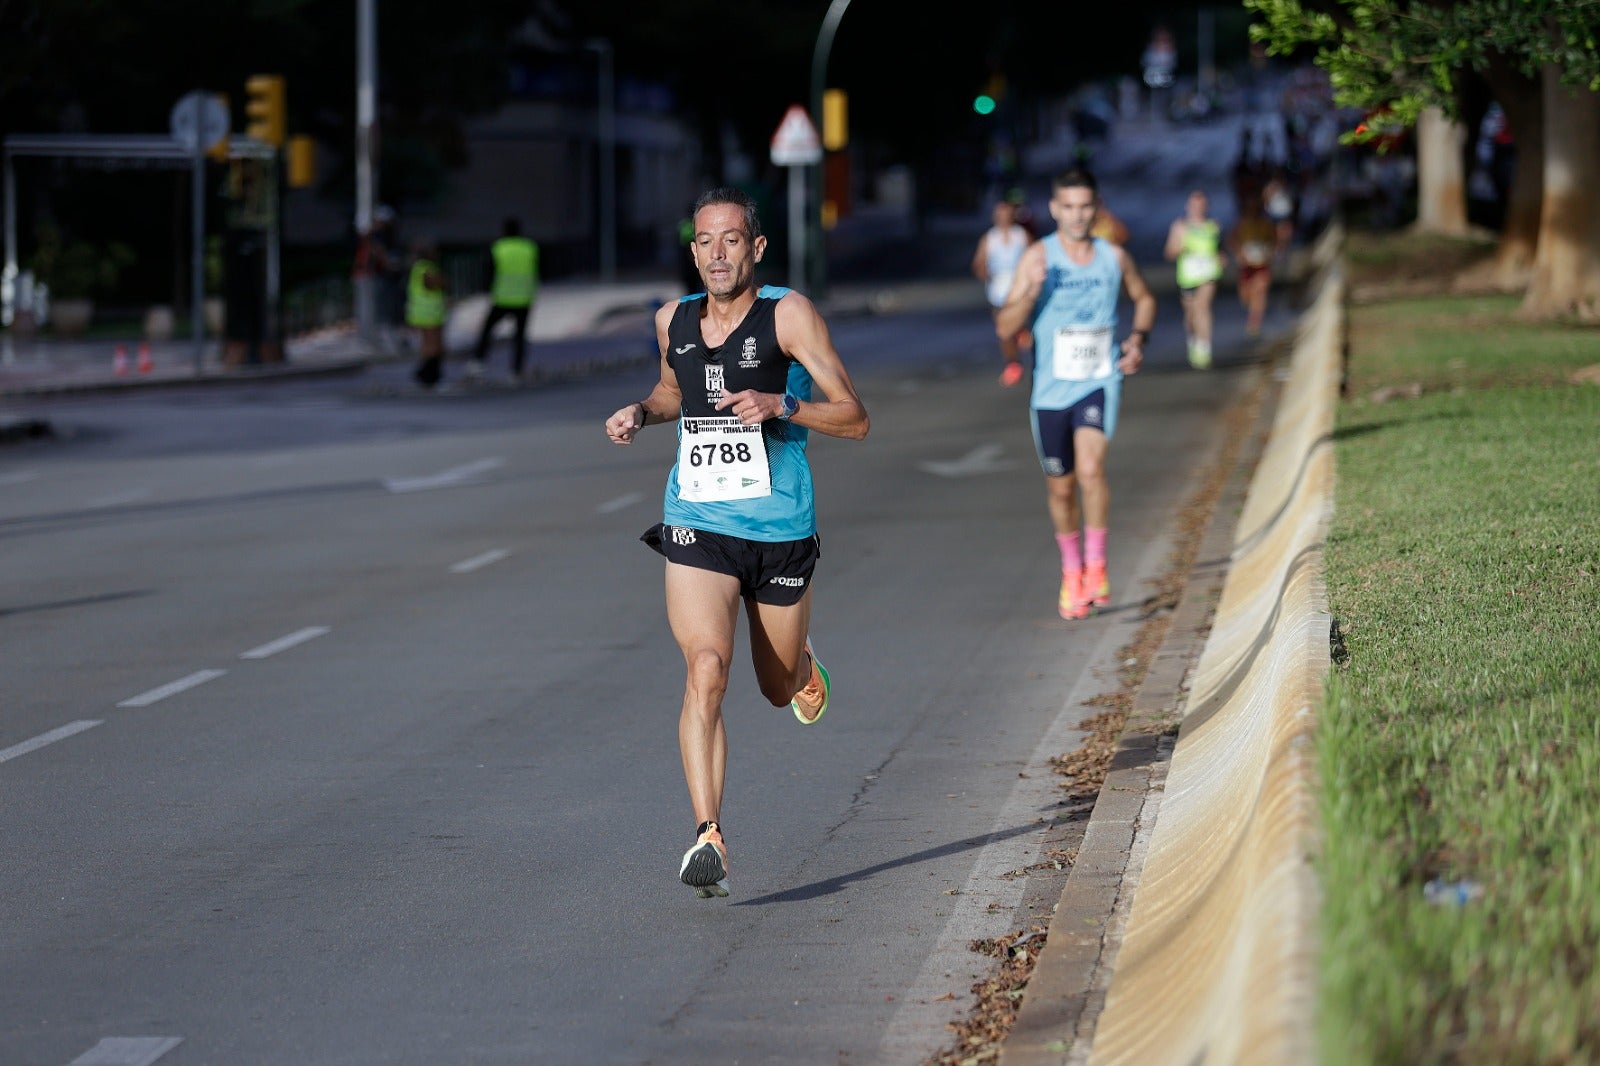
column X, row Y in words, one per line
column 819, row 77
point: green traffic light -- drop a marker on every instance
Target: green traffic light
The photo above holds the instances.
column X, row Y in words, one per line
column 984, row 104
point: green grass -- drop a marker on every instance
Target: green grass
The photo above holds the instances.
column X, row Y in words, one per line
column 1461, row 735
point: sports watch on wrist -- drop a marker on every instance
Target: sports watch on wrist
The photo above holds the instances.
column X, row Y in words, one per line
column 791, row 404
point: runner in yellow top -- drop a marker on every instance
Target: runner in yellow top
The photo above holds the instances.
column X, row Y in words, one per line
column 1194, row 242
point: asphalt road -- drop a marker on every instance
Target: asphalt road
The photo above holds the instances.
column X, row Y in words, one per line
column 340, row 723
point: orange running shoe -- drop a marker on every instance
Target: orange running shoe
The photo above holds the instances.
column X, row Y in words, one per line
column 1096, row 586
column 1072, row 602
column 705, row 866
column 1011, row 374
column 809, row 703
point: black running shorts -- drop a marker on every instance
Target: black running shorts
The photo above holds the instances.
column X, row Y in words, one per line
column 771, row 572
column 1053, row 430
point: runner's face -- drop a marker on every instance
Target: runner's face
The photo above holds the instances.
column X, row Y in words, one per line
column 1198, row 206
column 1074, row 210
column 723, row 251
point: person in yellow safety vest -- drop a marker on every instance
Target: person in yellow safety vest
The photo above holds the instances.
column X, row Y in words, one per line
column 514, row 262
column 425, row 311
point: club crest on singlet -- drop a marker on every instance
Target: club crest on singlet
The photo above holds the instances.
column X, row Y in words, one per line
column 713, row 382
column 748, row 360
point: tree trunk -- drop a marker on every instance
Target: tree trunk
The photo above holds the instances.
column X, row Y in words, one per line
column 1441, row 181
column 1522, row 100
column 1566, row 268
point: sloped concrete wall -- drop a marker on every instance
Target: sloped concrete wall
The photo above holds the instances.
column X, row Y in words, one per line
column 1217, row 962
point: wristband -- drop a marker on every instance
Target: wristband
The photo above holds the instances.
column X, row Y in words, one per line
column 644, row 414
column 1142, row 334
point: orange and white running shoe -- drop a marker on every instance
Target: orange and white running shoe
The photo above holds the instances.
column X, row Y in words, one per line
column 1011, row 374
column 809, row 703
column 1096, row 586
column 705, row 866
column 1072, row 602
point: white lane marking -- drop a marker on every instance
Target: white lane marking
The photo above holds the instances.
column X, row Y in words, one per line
column 467, row 566
column 127, row 1050
column 627, row 500
column 466, row 474
column 18, row 477
column 45, row 738
column 273, row 647
column 984, row 459
column 145, row 699
column 117, row 499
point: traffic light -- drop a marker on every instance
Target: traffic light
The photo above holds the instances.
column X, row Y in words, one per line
column 835, row 120
column 264, row 108
column 983, row 104
column 301, row 157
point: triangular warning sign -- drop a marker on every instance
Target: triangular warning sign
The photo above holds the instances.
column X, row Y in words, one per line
column 796, row 143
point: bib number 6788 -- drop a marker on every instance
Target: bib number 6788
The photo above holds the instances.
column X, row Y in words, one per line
column 711, row 454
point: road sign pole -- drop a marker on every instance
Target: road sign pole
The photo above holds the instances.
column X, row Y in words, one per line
column 197, row 264
column 797, row 226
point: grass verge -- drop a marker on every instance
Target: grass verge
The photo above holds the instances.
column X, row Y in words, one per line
column 1459, row 747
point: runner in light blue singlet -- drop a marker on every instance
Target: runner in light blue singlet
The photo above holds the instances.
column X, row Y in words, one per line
column 1076, row 298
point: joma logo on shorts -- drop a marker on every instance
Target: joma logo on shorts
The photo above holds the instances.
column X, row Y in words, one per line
column 792, row 582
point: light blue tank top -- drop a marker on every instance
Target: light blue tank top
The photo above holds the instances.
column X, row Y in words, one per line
column 1075, row 296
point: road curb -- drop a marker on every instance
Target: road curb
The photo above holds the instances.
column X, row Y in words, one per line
column 1067, row 989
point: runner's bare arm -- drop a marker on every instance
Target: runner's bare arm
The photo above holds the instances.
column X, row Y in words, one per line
column 980, row 262
column 1025, row 288
column 665, row 402
column 803, row 334
column 1144, row 313
column 1174, row 240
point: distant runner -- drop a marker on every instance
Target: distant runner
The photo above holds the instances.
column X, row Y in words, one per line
column 1066, row 291
column 1194, row 242
column 995, row 264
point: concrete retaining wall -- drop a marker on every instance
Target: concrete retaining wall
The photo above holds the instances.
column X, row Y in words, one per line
column 1217, row 962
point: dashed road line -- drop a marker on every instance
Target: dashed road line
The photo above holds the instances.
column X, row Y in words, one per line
column 273, row 647
column 613, row 506
column 467, row 566
column 145, row 699
column 127, row 1050
column 61, row 733
column 466, row 474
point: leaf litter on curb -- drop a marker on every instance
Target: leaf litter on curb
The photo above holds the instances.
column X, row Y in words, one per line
column 978, row 1038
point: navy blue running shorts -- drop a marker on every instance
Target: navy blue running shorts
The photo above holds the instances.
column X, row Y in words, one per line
column 771, row 572
column 1052, row 431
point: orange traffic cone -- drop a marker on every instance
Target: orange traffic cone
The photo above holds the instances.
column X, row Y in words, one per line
column 144, row 358
column 119, row 361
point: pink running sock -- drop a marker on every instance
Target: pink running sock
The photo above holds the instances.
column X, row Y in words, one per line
column 1094, row 544
column 1071, row 557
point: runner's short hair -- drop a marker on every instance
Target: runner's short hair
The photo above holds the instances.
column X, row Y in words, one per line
column 1077, row 178
column 738, row 198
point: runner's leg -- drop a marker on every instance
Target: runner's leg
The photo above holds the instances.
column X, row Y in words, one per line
column 703, row 612
column 778, row 647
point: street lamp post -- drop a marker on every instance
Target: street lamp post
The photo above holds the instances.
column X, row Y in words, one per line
column 819, row 78
column 366, row 114
column 608, row 159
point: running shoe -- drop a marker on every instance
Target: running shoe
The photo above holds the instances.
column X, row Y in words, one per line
column 1096, row 586
column 809, row 703
column 1011, row 374
column 1200, row 355
column 705, row 866
column 1072, row 601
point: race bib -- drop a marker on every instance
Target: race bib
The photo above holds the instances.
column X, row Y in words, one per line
column 1256, row 253
column 1081, row 353
column 1000, row 288
column 1196, row 268
column 722, row 459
